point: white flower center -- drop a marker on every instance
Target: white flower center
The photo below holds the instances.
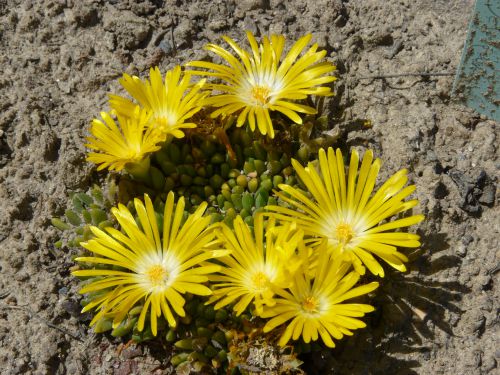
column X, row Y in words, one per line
column 158, row 272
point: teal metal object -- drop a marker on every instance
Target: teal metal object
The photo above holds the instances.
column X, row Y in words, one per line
column 477, row 81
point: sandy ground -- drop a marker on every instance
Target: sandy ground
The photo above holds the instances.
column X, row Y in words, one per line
column 58, row 60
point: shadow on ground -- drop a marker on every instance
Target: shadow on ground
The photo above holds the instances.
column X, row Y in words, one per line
column 410, row 308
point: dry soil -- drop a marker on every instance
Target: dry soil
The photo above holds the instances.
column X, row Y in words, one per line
column 59, row 58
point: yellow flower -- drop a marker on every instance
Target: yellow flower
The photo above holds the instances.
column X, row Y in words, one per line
column 127, row 142
column 315, row 306
column 260, row 81
column 259, row 263
column 345, row 211
column 149, row 269
column 170, row 103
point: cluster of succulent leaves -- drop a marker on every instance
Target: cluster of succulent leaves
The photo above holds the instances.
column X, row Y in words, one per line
column 235, row 178
column 86, row 209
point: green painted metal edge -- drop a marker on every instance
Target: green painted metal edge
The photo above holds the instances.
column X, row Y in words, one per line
column 477, row 80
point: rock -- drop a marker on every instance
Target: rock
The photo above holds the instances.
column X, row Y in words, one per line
column 461, row 250
column 250, row 24
column 126, row 368
column 72, row 307
column 488, row 196
column 132, row 352
column 467, row 239
column 165, row 46
column 109, row 41
column 472, row 191
column 217, row 25
column 396, row 48
column 85, row 15
column 244, row 6
column 321, row 38
column 131, row 31
column 182, row 34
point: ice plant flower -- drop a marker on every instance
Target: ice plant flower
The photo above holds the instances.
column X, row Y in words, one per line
column 149, row 269
column 315, row 306
column 262, row 80
column 345, row 210
column 259, row 263
column 171, row 103
column 116, row 145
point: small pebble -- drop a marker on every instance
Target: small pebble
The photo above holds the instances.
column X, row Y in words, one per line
column 467, row 239
column 132, row 352
column 488, row 195
column 461, row 250
column 165, row 46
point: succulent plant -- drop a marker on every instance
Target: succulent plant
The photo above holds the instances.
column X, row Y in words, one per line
column 90, row 208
